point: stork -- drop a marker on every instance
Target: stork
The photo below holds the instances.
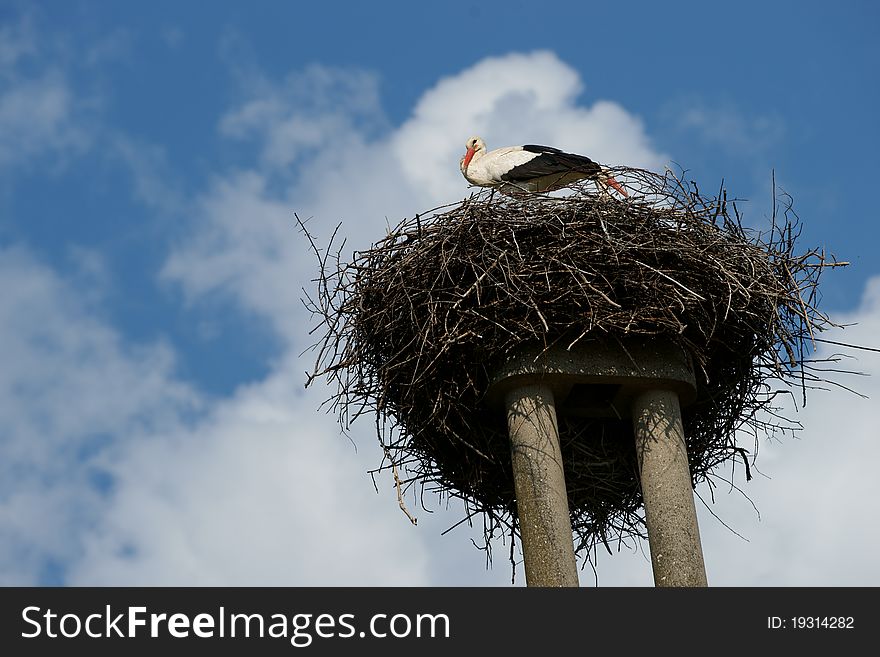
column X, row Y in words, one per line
column 530, row 168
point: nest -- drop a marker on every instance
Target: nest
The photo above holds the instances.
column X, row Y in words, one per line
column 413, row 326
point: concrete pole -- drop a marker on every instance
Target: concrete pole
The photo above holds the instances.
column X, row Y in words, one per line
column 541, row 498
column 673, row 534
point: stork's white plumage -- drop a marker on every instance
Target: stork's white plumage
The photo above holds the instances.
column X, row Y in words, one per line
column 531, row 168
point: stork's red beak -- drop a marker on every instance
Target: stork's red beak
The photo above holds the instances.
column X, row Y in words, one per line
column 616, row 185
column 468, row 157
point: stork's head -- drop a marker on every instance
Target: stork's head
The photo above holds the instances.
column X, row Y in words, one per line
column 474, row 145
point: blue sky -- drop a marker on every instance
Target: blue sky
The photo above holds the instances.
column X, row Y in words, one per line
column 152, row 417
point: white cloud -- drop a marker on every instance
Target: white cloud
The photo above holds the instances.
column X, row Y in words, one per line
column 257, row 493
column 35, row 118
column 115, row 472
column 71, row 395
column 308, row 112
column 246, row 247
column 726, row 126
column 245, row 242
column 148, row 164
column 508, row 100
column 38, row 110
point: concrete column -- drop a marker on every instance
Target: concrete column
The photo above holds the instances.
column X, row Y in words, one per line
column 541, row 498
column 673, row 534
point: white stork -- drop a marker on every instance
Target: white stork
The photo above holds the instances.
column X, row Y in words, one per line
column 530, row 168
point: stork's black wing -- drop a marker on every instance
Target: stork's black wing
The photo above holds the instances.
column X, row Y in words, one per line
column 550, row 161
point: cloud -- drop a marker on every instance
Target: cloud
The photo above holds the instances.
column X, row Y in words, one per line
column 154, row 184
column 72, row 393
column 508, row 100
column 245, row 249
column 39, row 113
column 36, row 118
column 319, row 127
column 310, row 111
column 257, row 493
column 116, row 472
column 727, row 127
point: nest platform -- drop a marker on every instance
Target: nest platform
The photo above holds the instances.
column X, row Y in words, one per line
column 413, row 328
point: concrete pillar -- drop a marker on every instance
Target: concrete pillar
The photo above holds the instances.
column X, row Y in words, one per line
column 673, row 534
column 541, row 498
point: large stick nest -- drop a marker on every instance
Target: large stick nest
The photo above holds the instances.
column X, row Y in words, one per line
column 413, row 326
